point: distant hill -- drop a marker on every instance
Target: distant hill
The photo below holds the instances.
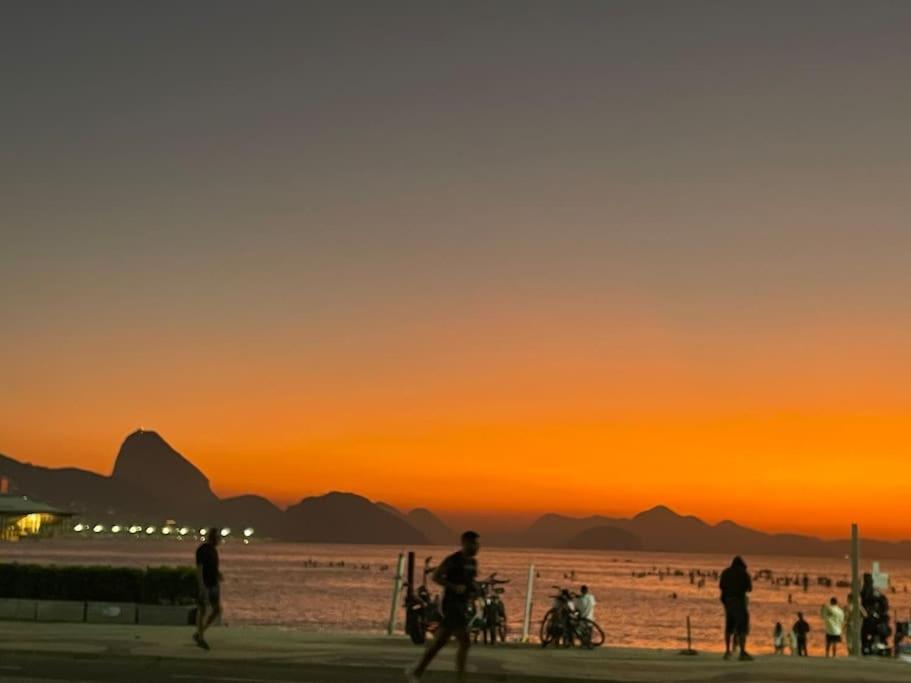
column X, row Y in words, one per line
column 604, row 538
column 151, row 482
column 252, row 511
column 660, row 529
column 432, row 527
column 422, row 519
column 73, row 489
column 347, row 518
column 147, row 462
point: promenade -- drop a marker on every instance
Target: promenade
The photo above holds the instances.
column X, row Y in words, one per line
column 31, row 652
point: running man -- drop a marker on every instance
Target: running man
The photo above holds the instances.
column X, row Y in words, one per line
column 456, row 574
column 208, row 578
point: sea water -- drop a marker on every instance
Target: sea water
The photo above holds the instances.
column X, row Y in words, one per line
column 349, row 587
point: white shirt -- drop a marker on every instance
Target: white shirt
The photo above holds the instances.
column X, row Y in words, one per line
column 834, row 618
column 586, row 606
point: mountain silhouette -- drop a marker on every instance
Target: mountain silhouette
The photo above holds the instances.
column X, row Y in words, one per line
column 553, row 530
column 152, row 482
column 437, row 531
column 347, row 518
column 422, row 519
column 146, row 461
column 604, row 538
column 660, row 529
column 73, row 489
column 252, row 511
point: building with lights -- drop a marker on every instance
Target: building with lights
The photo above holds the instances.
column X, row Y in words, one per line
column 22, row 517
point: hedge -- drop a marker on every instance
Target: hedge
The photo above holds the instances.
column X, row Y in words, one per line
column 150, row 586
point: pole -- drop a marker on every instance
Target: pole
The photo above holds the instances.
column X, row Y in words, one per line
column 526, row 623
column 689, row 639
column 854, row 635
column 410, row 590
column 396, row 589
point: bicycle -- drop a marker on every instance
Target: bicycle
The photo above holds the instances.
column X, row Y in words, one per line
column 490, row 620
column 563, row 624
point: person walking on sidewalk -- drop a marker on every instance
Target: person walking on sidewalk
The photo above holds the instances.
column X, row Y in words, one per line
column 456, row 574
column 208, row 581
column 735, row 583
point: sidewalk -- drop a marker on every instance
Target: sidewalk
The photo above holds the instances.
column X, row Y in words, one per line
column 248, row 652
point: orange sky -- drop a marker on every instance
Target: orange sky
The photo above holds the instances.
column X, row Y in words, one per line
column 516, row 413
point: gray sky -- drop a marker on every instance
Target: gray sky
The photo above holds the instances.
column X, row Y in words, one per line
column 366, row 195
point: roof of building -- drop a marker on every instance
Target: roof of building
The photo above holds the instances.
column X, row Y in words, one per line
column 23, row 505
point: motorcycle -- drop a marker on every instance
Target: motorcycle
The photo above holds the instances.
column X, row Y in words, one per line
column 563, row 625
column 423, row 615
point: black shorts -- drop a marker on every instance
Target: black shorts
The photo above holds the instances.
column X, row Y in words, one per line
column 455, row 615
column 831, row 639
column 736, row 618
column 214, row 595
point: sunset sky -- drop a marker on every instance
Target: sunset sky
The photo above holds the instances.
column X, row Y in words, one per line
column 483, row 257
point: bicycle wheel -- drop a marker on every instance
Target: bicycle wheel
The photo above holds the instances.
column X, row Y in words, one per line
column 549, row 627
column 502, row 628
column 589, row 633
column 414, row 626
column 476, row 627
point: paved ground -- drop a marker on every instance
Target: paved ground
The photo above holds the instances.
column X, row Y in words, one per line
column 33, row 653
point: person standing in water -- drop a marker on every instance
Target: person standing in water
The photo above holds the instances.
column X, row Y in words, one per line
column 208, row 582
column 735, row 583
column 456, row 574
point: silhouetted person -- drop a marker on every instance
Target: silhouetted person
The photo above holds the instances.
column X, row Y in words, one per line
column 457, row 576
column 801, row 629
column 778, row 638
column 208, row 579
column 833, row 618
column 735, row 583
column 868, row 603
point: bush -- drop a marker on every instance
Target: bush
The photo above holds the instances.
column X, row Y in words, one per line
column 151, row 586
column 169, row 586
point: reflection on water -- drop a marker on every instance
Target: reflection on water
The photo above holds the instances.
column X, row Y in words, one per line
column 306, row 586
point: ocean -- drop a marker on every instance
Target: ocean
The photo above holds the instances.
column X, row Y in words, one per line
column 349, row 587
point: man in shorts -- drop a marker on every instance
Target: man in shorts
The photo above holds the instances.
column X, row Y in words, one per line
column 208, row 578
column 457, row 575
column 833, row 617
column 735, row 584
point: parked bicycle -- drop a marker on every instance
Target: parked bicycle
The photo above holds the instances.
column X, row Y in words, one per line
column 487, row 613
column 562, row 624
